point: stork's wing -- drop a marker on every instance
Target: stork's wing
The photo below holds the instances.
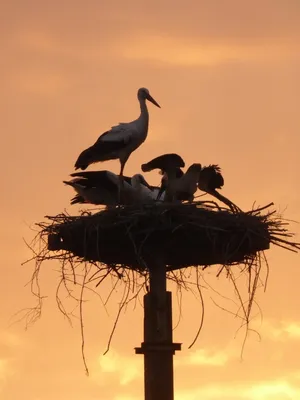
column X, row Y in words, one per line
column 121, row 132
column 219, row 181
column 211, row 178
column 95, row 177
column 77, row 199
column 164, row 162
column 216, row 167
column 89, row 192
column 79, row 185
column 105, row 180
column 107, row 145
column 90, row 178
column 114, row 140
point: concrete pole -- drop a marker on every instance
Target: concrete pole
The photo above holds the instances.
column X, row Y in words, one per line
column 158, row 347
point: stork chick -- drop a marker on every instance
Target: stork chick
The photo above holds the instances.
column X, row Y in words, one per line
column 102, row 187
column 170, row 168
column 144, row 193
column 211, row 179
column 99, row 188
column 183, row 188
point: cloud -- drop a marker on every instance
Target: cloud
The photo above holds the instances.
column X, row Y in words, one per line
column 204, row 357
column 9, row 339
column 203, row 19
column 48, row 43
column 39, row 81
column 3, row 368
column 281, row 330
column 127, row 369
column 189, row 53
column 271, row 390
column 209, row 392
column 6, row 371
column 201, row 34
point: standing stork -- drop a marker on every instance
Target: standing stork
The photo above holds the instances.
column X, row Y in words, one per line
column 121, row 140
column 211, row 179
column 170, row 167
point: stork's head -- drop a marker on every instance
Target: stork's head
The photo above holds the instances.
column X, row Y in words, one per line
column 144, row 94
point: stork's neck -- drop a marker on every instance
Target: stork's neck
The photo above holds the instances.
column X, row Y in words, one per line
column 144, row 116
column 135, row 183
column 171, row 173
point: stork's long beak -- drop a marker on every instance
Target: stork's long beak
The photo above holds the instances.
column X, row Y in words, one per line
column 150, row 98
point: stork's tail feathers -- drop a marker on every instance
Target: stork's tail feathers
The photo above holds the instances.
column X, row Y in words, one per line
column 77, row 200
column 78, row 188
column 70, row 183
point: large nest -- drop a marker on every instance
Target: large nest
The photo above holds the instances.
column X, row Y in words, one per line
column 123, row 243
column 178, row 235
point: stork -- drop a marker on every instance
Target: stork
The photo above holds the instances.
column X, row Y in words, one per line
column 170, row 167
column 167, row 177
column 121, row 140
column 211, row 179
column 183, row 187
column 144, row 193
column 102, row 187
column 97, row 187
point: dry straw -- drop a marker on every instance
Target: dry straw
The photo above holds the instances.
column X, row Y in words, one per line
column 121, row 243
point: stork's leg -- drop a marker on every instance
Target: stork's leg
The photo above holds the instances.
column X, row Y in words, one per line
column 120, row 187
column 191, row 199
column 161, row 190
column 121, row 181
column 122, row 168
column 163, row 185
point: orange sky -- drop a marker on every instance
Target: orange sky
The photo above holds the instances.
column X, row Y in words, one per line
column 226, row 74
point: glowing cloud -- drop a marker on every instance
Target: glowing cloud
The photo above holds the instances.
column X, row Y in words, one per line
column 188, row 53
column 127, row 369
column 277, row 390
column 204, row 357
column 282, row 330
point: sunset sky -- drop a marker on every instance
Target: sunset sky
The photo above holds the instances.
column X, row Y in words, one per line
column 226, row 74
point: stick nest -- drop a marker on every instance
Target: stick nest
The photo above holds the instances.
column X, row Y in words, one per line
column 119, row 245
column 179, row 235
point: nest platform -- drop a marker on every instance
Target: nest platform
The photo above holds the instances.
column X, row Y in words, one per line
column 179, row 235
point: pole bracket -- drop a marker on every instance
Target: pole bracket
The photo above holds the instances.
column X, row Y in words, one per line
column 157, row 347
